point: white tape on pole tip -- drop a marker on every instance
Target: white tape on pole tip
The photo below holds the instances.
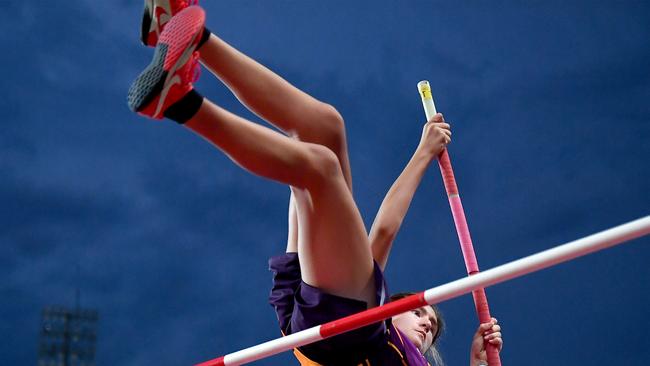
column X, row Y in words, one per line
column 427, row 99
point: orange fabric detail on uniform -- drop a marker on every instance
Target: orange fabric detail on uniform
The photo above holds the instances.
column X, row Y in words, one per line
column 304, row 361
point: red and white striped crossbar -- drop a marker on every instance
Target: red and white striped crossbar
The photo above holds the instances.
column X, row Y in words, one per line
column 517, row 268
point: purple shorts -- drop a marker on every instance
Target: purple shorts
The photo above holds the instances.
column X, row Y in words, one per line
column 299, row 306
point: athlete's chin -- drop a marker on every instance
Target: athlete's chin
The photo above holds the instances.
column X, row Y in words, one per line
column 416, row 339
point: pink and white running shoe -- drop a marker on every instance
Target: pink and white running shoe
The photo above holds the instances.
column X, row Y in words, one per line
column 156, row 14
column 174, row 67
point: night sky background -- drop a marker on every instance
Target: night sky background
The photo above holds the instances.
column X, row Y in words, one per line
column 168, row 240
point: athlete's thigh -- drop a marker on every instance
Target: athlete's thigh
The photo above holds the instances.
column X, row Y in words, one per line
column 333, row 244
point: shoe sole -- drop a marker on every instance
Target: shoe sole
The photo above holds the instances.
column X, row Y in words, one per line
column 150, row 82
column 175, row 47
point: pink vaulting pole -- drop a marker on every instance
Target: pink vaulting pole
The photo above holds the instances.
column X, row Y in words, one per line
column 518, row 268
column 480, row 299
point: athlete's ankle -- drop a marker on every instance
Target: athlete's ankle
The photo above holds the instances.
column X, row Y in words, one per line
column 204, row 37
column 185, row 108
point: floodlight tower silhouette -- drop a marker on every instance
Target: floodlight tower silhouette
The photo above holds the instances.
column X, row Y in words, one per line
column 68, row 336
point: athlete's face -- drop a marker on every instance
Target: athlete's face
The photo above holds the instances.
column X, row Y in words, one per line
column 419, row 326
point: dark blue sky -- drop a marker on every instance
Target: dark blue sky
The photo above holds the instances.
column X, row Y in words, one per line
column 551, row 120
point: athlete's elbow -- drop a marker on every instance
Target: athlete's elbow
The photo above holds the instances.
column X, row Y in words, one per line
column 386, row 232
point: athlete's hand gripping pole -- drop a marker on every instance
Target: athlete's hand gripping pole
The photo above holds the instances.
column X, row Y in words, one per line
column 480, row 300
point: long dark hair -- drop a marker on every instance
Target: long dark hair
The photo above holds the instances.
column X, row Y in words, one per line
column 432, row 354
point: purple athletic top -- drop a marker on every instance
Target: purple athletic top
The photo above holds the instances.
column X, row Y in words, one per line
column 299, row 306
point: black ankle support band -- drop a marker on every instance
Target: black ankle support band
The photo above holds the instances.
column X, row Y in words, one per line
column 204, row 37
column 181, row 111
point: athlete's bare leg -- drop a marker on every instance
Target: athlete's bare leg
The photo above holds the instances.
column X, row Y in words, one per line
column 333, row 245
column 277, row 101
column 303, row 117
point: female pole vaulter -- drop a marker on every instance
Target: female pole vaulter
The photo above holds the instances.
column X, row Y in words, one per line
column 338, row 268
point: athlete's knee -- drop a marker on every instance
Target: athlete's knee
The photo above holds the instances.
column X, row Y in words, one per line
column 322, row 166
column 332, row 117
column 330, row 128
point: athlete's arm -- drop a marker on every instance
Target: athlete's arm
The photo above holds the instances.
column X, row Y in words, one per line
column 435, row 136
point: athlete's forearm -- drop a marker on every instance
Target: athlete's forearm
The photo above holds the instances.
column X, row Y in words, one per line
column 395, row 206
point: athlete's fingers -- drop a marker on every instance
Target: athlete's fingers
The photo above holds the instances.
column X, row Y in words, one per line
column 498, row 342
column 445, row 132
column 438, row 117
column 442, row 125
column 484, row 328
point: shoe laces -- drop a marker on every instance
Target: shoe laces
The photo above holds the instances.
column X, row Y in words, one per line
column 191, row 2
column 179, row 5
